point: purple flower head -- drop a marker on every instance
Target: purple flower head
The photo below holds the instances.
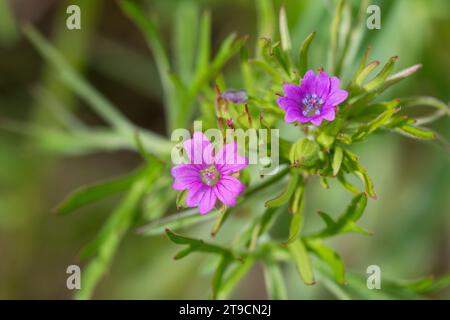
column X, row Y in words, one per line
column 315, row 99
column 235, row 96
column 208, row 176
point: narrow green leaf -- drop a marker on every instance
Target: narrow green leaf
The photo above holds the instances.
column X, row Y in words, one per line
column 347, row 185
column 196, row 245
column 355, row 209
column 297, row 213
column 264, row 66
column 229, row 47
column 361, row 76
column 357, row 36
column 378, row 81
column 361, row 67
column 247, row 72
column 265, row 18
column 284, row 31
column 234, row 277
column 282, row 59
column 329, row 222
column 57, row 107
column 366, row 129
column 429, row 118
column 221, row 218
column 91, row 193
column 416, row 132
column 185, row 34
column 264, row 224
column 346, row 221
column 345, row 37
column 143, row 151
column 367, row 112
column 302, row 261
column 204, row 43
column 303, row 59
column 355, row 167
column 73, row 80
column 275, row 286
column 426, row 102
column 176, row 221
column 330, row 257
column 8, row 28
column 334, row 35
column 219, row 275
column 105, row 245
column 153, row 38
column 403, row 74
column 286, row 194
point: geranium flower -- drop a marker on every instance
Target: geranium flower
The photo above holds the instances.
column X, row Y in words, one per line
column 315, row 99
column 208, row 176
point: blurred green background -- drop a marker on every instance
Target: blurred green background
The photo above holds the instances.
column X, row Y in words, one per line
column 410, row 219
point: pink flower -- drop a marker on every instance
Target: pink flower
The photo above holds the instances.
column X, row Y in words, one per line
column 208, row 176
column 315, row 99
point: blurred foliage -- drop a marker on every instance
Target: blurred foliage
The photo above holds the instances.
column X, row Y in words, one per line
column 410, row 229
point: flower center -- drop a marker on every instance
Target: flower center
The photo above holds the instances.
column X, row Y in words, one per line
column 210, row 176
column 312, row 105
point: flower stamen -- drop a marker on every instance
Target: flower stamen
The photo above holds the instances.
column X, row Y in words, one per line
column 312, row 105
column 210, row 176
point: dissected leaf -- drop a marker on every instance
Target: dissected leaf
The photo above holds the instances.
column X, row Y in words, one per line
column 196, row 245
column 347, row 220
column 366, row 129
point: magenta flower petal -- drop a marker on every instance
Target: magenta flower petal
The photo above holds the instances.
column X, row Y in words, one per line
column 195, row 194
column 337, row 97
column 315, row 99
column 228, row 160
column 322, row 83
column 225, row 196
column 208, row 201
column 335, row 83
column 316, row 121
column 286, row 103
column 292, row 115
column 309, row 75
column 197, row 148
column 184, row 170
column 294, row 92
column 232, row 184
column 330, row 115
